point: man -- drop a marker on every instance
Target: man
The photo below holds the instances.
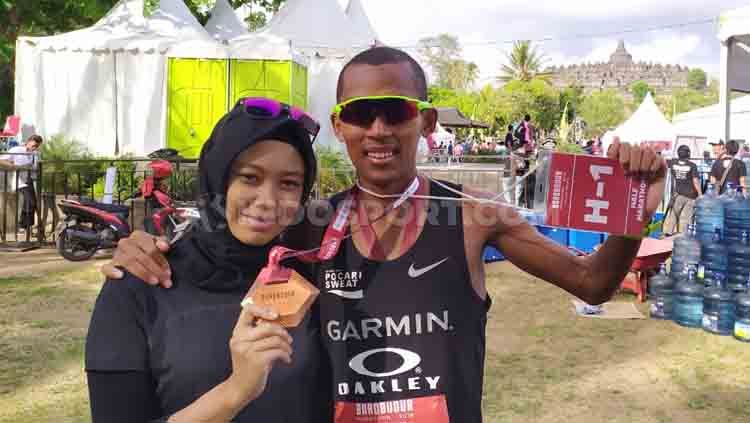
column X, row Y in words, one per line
column 717, row 149
column 403, row 304
column 686, row 188
column 728, row 170
column 24, row 159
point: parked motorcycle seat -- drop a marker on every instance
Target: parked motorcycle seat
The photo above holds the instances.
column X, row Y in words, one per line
column 123, row 211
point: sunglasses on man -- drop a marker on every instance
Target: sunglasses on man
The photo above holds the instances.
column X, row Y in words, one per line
column 394, row 109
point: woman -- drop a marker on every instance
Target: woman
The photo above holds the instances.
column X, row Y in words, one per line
column 189, row 353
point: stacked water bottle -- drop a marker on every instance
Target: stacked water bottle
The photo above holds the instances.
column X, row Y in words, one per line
column 709, row 281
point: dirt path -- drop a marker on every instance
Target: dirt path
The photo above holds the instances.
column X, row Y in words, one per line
column 42, row 261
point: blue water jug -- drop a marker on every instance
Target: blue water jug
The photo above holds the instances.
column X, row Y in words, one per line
column 714, row 255
column 736, row 217
column 709, row 215
column 718, row 308
column 686, row 251
column 688, row 301
column 742, row 315
column 738, row 266
column 661, row 291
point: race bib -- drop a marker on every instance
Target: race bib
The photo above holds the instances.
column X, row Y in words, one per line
column 432, row 409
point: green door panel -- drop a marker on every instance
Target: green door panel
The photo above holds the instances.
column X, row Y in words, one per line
column 196, row 100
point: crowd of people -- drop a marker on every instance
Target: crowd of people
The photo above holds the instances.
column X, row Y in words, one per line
column 724, row 166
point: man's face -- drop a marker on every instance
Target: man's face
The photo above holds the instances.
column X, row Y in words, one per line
column 718, row 150
column 32, row 146
column 384, row 155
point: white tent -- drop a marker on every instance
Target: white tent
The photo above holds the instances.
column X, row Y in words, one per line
column 318, row 26
column 646, row 125
column 734, row 34
column 707, row 121
column 321, row 30
column 356, row 14
column 104, row 85
column 224, row 24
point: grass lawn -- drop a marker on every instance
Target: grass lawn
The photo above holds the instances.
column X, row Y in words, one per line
column 544, row 364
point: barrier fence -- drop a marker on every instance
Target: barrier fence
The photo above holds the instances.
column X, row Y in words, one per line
column 54, row 181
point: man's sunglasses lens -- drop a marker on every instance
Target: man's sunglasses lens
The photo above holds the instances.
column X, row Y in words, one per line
column 395, row 111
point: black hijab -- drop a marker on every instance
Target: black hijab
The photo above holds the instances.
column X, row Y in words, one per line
column 210, row 257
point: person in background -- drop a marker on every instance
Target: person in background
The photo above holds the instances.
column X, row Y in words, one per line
column 529, row 134
column 729, row 170
column 717, row 149
column 25, row 159
column 509, row 138
column 685, row 189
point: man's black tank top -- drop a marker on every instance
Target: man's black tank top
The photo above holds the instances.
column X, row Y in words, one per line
column 406, row 337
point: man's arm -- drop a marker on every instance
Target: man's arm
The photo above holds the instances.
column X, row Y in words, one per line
column 593, row 278
column 697, row 185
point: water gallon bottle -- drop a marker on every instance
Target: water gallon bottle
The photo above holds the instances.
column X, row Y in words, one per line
column 742, row 315
column 714, row 255
column 688, row 301
column 739, row 263
column 661, row 291
column 736, row 218
column 709, row 215
column 718, row 308
column 686, row 251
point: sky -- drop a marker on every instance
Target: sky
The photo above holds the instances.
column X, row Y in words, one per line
column 579, row 30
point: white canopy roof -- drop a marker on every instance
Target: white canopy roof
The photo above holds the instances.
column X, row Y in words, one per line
column 318, row 25
column 647, row 124
column 224, row 24
column 356, row 13
column 734, row 26
column 706, row 121
column 125, row 28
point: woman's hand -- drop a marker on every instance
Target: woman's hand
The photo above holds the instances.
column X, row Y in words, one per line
column 141, row 254
column 256, row 345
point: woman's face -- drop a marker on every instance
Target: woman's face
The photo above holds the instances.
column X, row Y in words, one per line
column 265, row 188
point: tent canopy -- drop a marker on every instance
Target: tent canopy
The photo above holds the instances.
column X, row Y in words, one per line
column 224, row 24
column 646, row 125
column 706, row 121
column 318, row 25
column 453, row 118
column 356, row 14
column 125, row 28
column 734, row 32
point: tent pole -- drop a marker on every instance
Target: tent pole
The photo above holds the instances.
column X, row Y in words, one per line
column 117, row 108
column 725, row 90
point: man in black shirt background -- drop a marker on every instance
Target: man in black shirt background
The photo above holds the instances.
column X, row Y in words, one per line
column 728, row 170
column 685, row 189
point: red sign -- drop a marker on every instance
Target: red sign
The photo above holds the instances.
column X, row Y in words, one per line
column 593, row 194
column 412, row 410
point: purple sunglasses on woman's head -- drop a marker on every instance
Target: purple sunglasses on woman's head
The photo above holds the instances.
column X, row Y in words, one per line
column 266, row 108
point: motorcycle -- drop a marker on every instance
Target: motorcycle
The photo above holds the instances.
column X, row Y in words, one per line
column 90, row 226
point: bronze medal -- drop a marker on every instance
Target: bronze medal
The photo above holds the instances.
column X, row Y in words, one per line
column 284, row 291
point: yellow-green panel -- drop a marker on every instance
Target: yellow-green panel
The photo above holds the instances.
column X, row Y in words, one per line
column 260, row 78
column 196, row 100
column 299, row 85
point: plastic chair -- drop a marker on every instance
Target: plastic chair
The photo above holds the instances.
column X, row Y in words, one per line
column 11, row 130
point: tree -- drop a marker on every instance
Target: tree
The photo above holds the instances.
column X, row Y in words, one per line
column 697, row 79
column 524, row 64
column 639, row 89
column 536, row 98
column 443, row 56
column 602, row 110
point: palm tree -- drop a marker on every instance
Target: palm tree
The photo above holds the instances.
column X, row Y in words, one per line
column 524, row 63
